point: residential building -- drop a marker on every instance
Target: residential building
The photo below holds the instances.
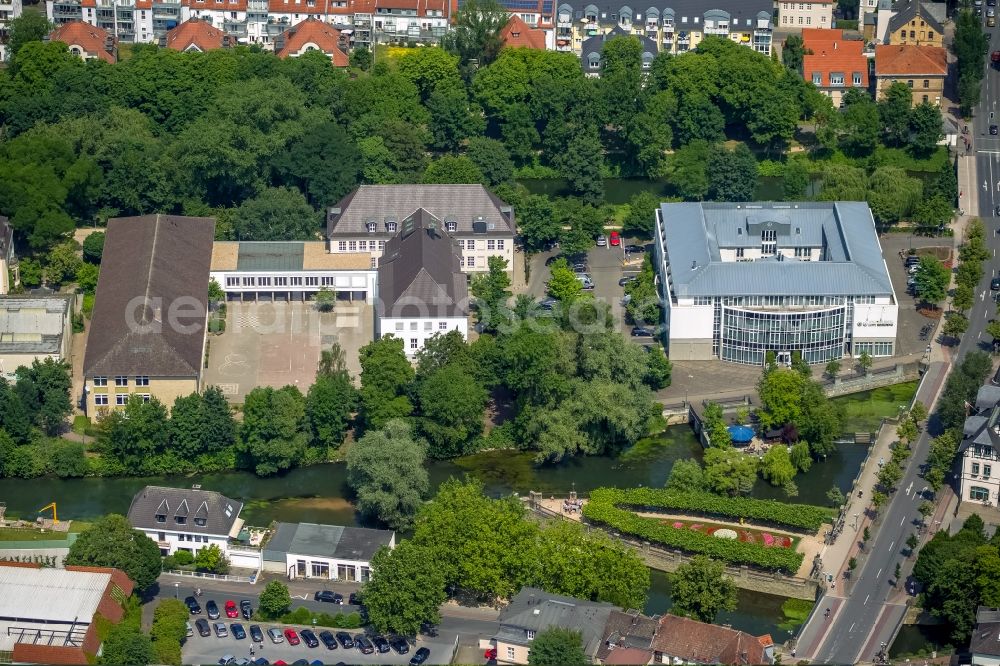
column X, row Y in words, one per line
column 313, row 35
column 9, row 10
column 804, row 14
column 532, row 611
column 980, row 450
column 984, row 645
column 52, row 616
column 86, row 41
column 330, row 552
column 517, row 34
column 834, row 64
column 912, row 24
column 8, row 265
column 739, row 280
column 186, row 518
column 922, row 68
column 680, row 640
column 368, row 217
column 290, row 271
column 196, row 35
column 675, row 27
column 34, row 329
column 628, row 638
column 147, row 333
column 422, row 290
column 590, row 57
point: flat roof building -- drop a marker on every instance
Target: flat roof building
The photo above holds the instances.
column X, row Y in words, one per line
column 34, row 328
column 739, row 280
column 310, row 550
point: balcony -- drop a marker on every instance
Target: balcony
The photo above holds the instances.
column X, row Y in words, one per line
column 67, row 13
column 590, row 25
column 564, row 22
column 257, row 5
column 652, row 28
column 235, row 28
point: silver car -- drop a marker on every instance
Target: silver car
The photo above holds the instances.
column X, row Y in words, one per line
column 220, row 629
column 275, row 635
column 602, row 241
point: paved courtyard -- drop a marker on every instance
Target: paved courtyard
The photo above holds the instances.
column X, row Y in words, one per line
column 277, row 344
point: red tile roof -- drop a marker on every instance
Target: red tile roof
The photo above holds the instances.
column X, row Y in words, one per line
column 909, row 60
column 93, row 41
column 315, row 33
column 629, row 656
column 194, row 33
column 698, row 642
column 832, row 54
column 518, row 33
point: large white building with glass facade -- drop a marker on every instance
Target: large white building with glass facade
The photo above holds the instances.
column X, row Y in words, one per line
column 738, row 280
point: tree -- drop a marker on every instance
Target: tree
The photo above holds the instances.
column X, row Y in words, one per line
column 126, row 644
column 385, row 469
column 732, row 174
column 801, row 456
column 557, row 646
column 955, row 325
column 795, row 181
column 688, row 170
column 493, row 160
column 536, row 222
column 325, row 299
column 776, row 466
column 201, row 423
column 404, row 592
column 962, row 297
column 324, row 163
column 931, row 280
column 715, row 425
column 835, row 496
column 700, row 590
column 686, row 475
column 492, row 291
column 28, row 27
column 212, row 560
column 385, row 377
column 730, row 472
column 453, row 118
column 832, row 369
column 912, row 542
column 476, row 32
column 641, row 217
column 780, row 392
column 111, row 542
column 865, row 361
column 792, row 53
column 329, row 404
column 451, row 403
column 135, row 434
column 428, row 69
column 892, row 194
column 581, row 166
column 277, row 213
column 61, row 263
column 894, row 110
column 271, row 435
column 361, row 58
column 861, row 124
column 169, row 629
column 925, row 129
column 918, row 412
column 93, row 247
column 563, row 284
column 43, row 389
column 274, row 600
column 659, row 369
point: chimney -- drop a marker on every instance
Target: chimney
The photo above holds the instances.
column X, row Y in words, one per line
column 835, row 46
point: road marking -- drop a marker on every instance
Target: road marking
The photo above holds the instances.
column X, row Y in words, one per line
column 879, row 572
column 890, row 548
column 866, row 600
column 851, row 630
column 903, row 519
column 299, row 596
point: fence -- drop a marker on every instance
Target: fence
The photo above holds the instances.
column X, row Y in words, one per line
column 211, row 576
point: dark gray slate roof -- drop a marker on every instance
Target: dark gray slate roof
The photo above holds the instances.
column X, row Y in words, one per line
column 150, row 265
column 852, row 262
column 218, row 511
column 462, row 204
column 907, row 10
column 419, row 274
column 987, row 397
column 591, row 49
column 986, row 636
column 334, row 541
column 536, row 610
column 983, row 428
column 630, row 629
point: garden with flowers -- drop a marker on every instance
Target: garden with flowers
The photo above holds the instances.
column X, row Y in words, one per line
column 734, row 533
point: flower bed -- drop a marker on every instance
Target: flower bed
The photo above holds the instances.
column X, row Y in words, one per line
column 742, row 534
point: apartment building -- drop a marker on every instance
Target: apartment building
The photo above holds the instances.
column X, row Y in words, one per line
column 196, row 35
column 805, row 14
column 834, row 64
column 86, row 41
column 980, row 450
column 922, row 68
column 913, row 24
column 313, row 35
column 519, row 34
column 185, row 519
column 590, row 58
column 9, row 10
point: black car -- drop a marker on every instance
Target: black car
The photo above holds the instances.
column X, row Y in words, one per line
column 330, row 597
column 212, row 609
column 994, row 130
column 910, row 260
column 237, row 630
column 399, row 644
column 995, row 284
column 641, row 332
column 328, row 640
column 193, row 606
column 996, row 212
column 635, row 248
column 203, row 628
column 345, row 640
column 246, row 609
column 580, row 267
column 256, row 635
column 420, row 656
column 363, row 644
column 354, row 599
column 544, row 304
column 625, row 280
column 381, row 644
column 309, row 637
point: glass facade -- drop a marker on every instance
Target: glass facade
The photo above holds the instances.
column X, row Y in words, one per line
column 747, row 335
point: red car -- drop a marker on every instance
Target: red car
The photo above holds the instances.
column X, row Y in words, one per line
column 615, row 238
column 231, row 610
column 291, row 637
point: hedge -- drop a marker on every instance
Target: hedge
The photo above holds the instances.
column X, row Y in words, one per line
column 692, row 541
column 805, row 517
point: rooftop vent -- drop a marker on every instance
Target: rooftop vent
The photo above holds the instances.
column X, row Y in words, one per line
column 798, row 230
column 739, row 231
column 694, row 264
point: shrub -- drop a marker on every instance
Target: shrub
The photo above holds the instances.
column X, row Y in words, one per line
column 183, row 557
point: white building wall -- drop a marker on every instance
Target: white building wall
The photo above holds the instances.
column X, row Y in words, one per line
column 878, row 321
column 979, row 471
column 691, row 322
column 174, row 540
column 308, row 282
column 337, row 569
column 416, row 331
column 476, row 250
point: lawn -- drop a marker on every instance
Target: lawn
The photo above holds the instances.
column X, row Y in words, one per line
column 31, row 535
column 864, row 411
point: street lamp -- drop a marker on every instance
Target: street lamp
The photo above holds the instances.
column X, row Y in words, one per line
column 177, row 590
column 856, row 520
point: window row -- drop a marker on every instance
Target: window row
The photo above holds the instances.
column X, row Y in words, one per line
column 428, row 326
column 280, row 281
column 122, row 380
column 360, row 246
column 987, row 470
column 121, row 399
column 979, row 494
column 873, row 348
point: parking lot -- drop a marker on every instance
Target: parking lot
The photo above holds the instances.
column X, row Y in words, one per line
column 211, row 649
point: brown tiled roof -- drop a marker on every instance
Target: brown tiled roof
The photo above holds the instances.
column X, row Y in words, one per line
column 628, row 656
column 698, row 642
column 831, row 53
column 194, row 34
column 154, row 269
column 518, row 33
column 630, row 629
column 908, row 60
column 89, row 38
column 321, row 35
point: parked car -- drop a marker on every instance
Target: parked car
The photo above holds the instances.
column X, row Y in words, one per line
column 380, row 644
column 641, row 332
column 635, row 248
column 993, row 130
column 355, row 598
column 246, row 610
column 203, row 628
column 580, row 267
column 602, row 241
column 275, row 635
column 364, row 645
column 615, row 239
column 212, row 609
column 291, row 637
column 328, row 640
column 256, row 635
column 227, row 660
column 345, row 640
column 625, row 280
column 996, row 211
column 399, row 644
column 193, row 606
column 231, row 610
column 995, row 284
column 237, row 630
column 309, row 637
column 911, row 260
column 220, row 629
column 420, row 656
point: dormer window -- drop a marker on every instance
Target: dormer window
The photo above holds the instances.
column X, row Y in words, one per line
column 371, row 226
column 180, row 520
column 200, row 522
column 161, row 518
column 451, row 226
column 529, row 634
column 390, row 227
